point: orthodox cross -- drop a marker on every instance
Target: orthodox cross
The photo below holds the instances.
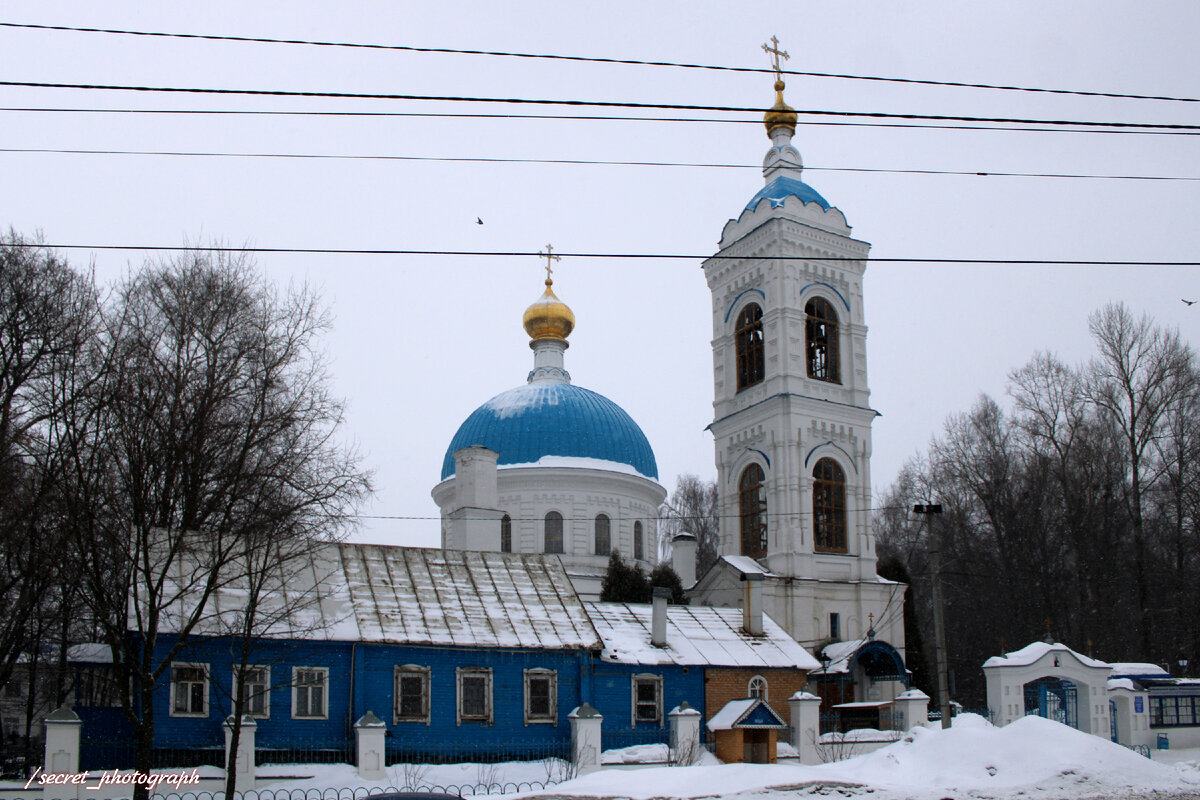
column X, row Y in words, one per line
column 775, row 53
column 549, row 256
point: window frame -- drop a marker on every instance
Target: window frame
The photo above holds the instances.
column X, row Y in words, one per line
column 835, row 626
column 555, row 517
column 176, row 682
column 757, row 515
column 603, row 535
column 829, row 511
column 749, row 347
column 822, row 358
column 1181, row 706
column 645, row 679
column 299, row 685
column 468, row 673
column 639, row 541
column 422, row 673
column 264, row 693
column 759, row 682
column 506, row 534
column 549, row 717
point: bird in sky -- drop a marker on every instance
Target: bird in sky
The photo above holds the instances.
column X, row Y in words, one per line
column 478, row 221
column 1188, row 302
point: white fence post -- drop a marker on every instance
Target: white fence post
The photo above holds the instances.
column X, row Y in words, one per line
column 62, row 741
column 369, row 734
column 806, row 726
column 913, row 706
column 685, row 735
column 585, row 738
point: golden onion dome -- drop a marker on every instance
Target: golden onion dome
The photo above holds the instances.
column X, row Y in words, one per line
column 781, row 114
column 548, row 317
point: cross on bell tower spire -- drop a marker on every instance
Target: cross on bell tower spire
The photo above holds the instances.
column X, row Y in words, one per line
column 775, row 53
column 550, row 257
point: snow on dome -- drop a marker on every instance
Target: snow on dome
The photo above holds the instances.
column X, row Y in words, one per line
column 550, row 418
column 783, row 187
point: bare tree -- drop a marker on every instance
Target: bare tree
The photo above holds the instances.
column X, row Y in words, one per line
column 692, row 507
column 47, row 313
column 211, row 427
column 1141, row 372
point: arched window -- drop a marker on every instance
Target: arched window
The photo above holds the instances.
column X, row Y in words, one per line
column 506, row 534
column 751, row 365
column 829, row 507
column 752, row 509
column 821, row 340
column 554, row 532
column 757, row 688
column 639, row 549
column 603, row 535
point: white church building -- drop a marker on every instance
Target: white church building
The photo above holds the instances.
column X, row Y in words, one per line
column 550, row 467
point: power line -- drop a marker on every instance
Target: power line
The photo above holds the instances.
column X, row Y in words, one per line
column 578, row 162
column 639, row 256
column 587, row 104
column 601, row 60
column 586, row 117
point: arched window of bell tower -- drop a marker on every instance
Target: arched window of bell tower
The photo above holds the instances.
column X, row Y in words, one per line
column 829, row 507
column 821, row 340
column 752, row 511
column 553, row 534
column 751, row 358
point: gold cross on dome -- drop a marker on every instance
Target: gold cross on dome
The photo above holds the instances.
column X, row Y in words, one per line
column 775, row 54
column 549, row 256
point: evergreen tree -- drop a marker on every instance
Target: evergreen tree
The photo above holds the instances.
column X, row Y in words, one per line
column 665, row 575
column 624, row 583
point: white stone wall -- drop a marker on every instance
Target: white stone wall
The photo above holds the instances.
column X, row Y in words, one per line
column 527, row 494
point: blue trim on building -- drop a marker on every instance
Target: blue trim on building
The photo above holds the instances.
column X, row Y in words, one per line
column 837, row 447
column 783, row 187
column 831, row 288
column 736, row 300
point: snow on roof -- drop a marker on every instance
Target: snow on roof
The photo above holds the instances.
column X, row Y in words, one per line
column 1121, row 683
column 89, row 653
column 746, row 565
column 729, row 714
column 696, row 635
column 1032, row 652
column 1132, row 669
column 412, row 595
column 839, row 654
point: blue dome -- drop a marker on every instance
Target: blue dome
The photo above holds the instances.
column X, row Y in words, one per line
column 784, row 187
column 548, row 418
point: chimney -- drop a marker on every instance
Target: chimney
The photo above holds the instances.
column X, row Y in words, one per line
column 474, row 524
column 658, row 622
column 752, row 604
column 683, row 558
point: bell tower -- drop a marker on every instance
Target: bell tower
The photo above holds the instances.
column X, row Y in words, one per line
column 791, row 413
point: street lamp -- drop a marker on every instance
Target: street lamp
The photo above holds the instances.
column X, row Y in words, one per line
column 1183, row 664
column 939, row 624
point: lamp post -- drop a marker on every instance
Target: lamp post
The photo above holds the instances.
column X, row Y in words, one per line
column 1183, row 665
column 939, row 624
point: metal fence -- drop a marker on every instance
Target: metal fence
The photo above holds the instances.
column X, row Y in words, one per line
column 360, row 793
column 477, row 751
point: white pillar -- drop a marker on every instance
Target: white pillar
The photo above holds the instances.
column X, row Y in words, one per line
column 685, row 735
column 62, row 741
column 369, row 734
column 244, row 761
column 683, row 558
column 585, row 738
column 913, row 708
column 806, row 725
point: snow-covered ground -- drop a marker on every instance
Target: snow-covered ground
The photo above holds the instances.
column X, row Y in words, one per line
column 1031, row 758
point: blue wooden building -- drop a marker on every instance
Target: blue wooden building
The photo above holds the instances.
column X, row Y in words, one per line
column 463, row 655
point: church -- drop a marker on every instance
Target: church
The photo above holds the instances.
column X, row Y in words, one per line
column 551, row 467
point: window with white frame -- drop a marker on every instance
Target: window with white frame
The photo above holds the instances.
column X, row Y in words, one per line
column 310, row 692
column 255, row 690
column 541, row 696
column 189, row 690
column 757, row 688
column 647, row 698
column 474, row 694
column 412, row 694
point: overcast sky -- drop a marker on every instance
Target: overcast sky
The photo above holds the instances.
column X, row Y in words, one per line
column 420, row 341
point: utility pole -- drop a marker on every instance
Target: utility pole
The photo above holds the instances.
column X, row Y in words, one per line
column 939, row 623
